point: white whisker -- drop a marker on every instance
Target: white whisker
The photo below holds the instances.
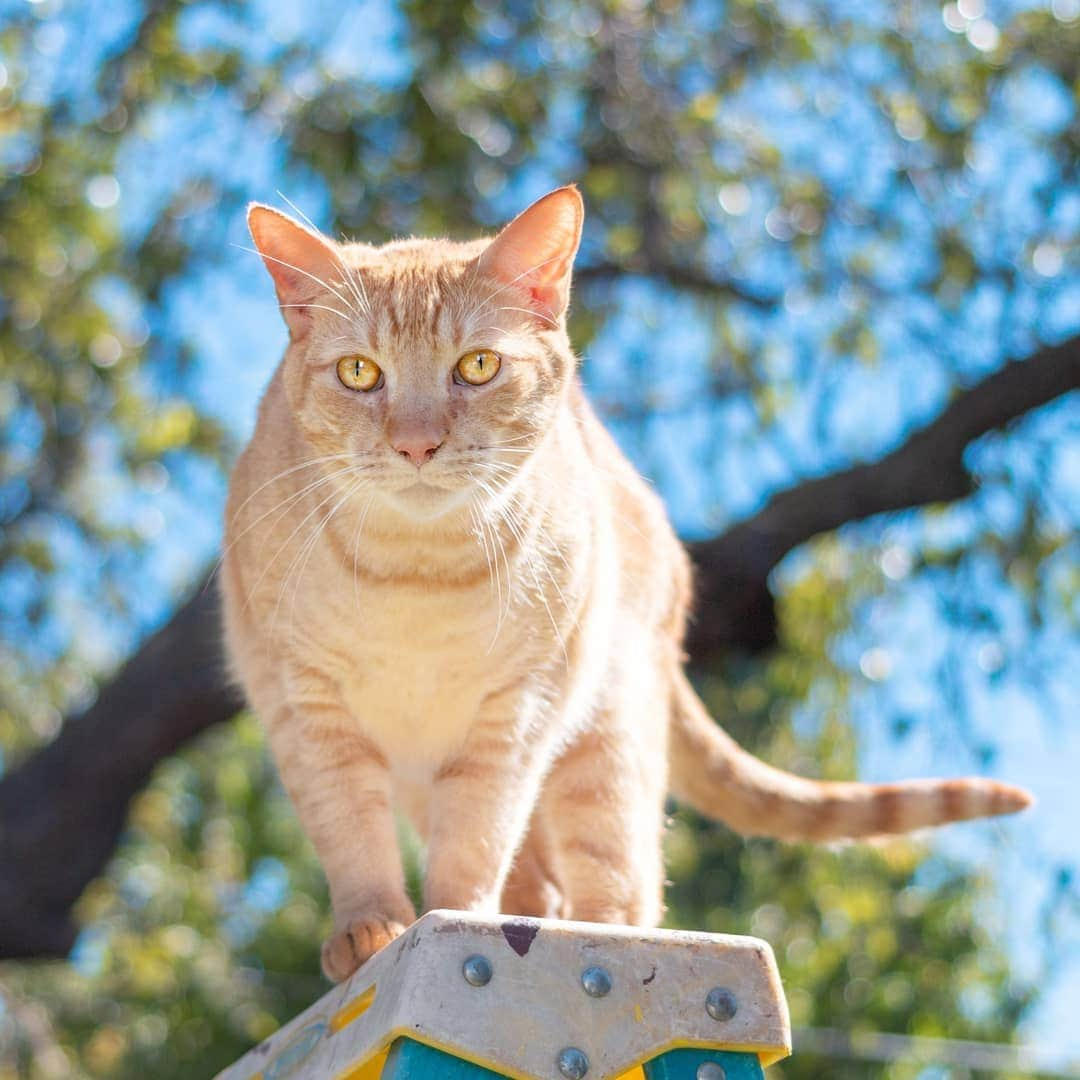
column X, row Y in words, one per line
column 346, row 269
column 309, row 547
column 288, row 472
column 352, row 319
column 529, row 311
column 300, row 270
column 513, row 281
column 356, row 549
column 282, row 506
column 318, row 506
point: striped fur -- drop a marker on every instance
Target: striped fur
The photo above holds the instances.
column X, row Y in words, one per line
column 713, row 774
column 489, row 641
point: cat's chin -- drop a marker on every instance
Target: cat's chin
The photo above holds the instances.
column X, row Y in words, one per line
column 424, row 502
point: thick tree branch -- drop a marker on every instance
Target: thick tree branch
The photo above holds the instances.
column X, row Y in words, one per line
column 681, row 276
column 734, row 606
column 61, row 811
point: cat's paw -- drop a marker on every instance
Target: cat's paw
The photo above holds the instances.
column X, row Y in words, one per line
column 355, row 941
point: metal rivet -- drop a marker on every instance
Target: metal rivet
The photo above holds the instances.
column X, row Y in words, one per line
column 573, row 1063
column 477, row 970
column 720, row 1003
column 710, row 1070
column 596, row 981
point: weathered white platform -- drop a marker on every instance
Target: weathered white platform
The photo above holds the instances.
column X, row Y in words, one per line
column 534, row 1003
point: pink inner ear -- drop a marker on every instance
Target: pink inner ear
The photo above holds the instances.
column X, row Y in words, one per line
column 298, row 259
column 535, row 252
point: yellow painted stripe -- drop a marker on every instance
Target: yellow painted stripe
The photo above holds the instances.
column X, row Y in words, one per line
column 356, row 1008
column 367, row 1070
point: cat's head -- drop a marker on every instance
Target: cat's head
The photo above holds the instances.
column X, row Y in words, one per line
column 437, row 367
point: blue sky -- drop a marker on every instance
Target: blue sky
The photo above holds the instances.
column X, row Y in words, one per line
column 713, row 462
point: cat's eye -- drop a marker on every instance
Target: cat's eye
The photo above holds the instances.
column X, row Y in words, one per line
column 359, row 373
column 478, row 367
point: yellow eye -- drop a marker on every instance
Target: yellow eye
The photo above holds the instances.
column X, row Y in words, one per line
column 479, row 366
column 359, row 373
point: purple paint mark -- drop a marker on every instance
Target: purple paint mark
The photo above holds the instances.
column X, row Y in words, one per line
column 519, row 936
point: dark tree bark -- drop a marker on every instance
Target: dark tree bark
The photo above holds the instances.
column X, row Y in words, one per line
column 734, row 609
column 62, row 810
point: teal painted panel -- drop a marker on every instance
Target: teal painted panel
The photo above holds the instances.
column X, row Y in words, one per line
column 410, row 1060
column 684, row 1065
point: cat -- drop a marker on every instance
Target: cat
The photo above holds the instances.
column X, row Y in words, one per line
column 446, row 591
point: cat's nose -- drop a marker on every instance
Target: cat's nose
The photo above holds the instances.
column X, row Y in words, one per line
column 419, row 449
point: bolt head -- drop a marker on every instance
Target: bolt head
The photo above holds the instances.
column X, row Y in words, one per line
column 720, row 1003
column 573, row 1064
column 710, row 1070
column 477, row 970
column 596, row 982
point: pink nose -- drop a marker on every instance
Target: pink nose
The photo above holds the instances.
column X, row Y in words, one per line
column 419, row 449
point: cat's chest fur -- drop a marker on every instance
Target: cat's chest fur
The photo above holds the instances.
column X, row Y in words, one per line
column 412, row 658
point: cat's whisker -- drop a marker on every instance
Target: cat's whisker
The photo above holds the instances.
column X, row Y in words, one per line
column 311, row 513
column 499, row 480
column 510, row 515
column 356, row 549
column 345, row 268
column 530, row 311
column 351, row 319
column 357, row 480
column 312, row 543
column 513, row 281
column 513, row 514
column 355, row 280
column 300, row 270
column 309, row 463
column 479, row 533
column 283, row 506
column 340, row 339
column 500, row 467
column 493, row 564
column 296, row 210
column 498, row 548
column 526, row 436
column 494, row 496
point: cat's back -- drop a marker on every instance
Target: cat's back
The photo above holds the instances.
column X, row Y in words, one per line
column 654, row 568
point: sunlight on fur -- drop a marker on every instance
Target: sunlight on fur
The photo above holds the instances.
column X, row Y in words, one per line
column 448, row 592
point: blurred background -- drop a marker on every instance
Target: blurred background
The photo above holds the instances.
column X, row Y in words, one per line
column 829, row 302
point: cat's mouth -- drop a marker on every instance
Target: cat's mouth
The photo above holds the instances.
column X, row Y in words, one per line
column 427, row 498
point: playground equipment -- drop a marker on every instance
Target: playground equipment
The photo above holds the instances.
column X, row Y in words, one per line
column 470, row 997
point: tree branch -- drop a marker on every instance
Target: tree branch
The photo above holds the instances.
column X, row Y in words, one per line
column 678, row 275
column 734, row 606
column 62, row 810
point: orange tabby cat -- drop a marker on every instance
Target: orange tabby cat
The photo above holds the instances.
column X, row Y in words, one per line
column 447, row 591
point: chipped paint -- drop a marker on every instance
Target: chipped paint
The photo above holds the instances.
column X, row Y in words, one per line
column 520, row 935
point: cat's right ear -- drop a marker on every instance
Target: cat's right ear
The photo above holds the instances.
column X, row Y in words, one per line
column 300, row 261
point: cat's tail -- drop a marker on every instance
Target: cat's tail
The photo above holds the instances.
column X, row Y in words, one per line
column 715, row 776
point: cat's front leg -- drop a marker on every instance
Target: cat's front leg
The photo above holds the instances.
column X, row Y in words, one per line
column 481, row 802
column 339, row 781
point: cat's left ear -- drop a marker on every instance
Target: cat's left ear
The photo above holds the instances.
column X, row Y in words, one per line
column 535, row 252
column 301, row 262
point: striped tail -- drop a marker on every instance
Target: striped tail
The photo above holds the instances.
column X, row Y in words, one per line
column 715, row 776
